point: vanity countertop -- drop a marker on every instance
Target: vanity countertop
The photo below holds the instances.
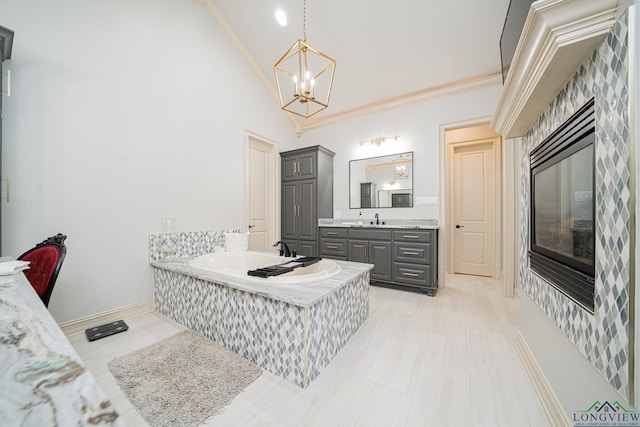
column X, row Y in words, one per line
column 43, row 382
column 426, row 224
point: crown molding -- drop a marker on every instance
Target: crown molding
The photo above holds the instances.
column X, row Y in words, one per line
column 470, row 83
column 557, row 36
column 213, row 10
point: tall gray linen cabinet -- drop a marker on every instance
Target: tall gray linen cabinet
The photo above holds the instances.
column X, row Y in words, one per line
column 306, row 195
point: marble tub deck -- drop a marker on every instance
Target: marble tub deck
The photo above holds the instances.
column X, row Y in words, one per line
column 292, row 331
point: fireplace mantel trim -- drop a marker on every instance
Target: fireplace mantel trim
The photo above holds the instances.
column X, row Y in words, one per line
column 557, row 36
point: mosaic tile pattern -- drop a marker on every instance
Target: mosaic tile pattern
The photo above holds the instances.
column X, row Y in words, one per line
column 603, row 338
column 292, row 342
column 333, row 321
column 189, row 244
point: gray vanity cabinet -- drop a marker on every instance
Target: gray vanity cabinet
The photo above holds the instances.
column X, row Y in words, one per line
column 333, row 243
column 306, row 195
column 401, row 258
column 414, row 257
column 372, row 247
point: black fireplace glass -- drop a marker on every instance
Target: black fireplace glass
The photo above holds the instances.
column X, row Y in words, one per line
column 564, row 207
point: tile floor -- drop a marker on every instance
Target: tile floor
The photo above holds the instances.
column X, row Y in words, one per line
column 447, row 360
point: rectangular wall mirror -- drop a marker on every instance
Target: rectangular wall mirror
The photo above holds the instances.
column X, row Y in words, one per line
column 381, row 182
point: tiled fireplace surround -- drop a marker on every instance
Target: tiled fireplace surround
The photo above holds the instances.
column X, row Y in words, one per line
column 604, row 338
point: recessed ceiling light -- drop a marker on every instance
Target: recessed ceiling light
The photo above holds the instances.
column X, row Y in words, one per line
column 281, row 17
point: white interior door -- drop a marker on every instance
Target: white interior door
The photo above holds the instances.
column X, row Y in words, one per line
column 260, row 194
column 474, row 204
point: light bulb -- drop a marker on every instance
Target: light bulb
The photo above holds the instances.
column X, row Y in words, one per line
column 281, row 17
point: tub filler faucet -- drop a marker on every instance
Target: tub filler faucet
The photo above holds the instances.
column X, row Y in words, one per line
column 284, row 249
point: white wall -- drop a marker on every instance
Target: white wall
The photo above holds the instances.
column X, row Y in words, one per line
column 121, row 113
column 418, row 124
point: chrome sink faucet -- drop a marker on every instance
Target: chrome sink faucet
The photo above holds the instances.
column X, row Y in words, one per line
column 284, row 249
column 377, row 220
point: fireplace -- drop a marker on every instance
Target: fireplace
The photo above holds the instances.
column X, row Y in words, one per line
column 562, row 208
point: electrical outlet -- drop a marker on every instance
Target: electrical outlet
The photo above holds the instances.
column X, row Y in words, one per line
column 429, row 200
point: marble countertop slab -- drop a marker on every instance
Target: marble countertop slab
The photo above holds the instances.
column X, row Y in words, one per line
column 427, row 224
column 302, row 295
column 43, row 381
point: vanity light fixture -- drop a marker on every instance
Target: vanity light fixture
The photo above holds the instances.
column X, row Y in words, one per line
column 401, row 167
column 379, row 141
column 308, row 72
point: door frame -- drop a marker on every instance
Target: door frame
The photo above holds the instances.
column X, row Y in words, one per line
column 272, row 197
column 446, row 241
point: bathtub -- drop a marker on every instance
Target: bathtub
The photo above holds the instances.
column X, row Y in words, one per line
column 236, row 264
column 291, row 325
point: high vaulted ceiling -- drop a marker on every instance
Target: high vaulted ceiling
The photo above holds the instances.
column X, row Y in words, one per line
column 384, row 49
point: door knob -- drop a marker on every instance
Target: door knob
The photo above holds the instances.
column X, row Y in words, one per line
column 459, row 226
column 251, row 226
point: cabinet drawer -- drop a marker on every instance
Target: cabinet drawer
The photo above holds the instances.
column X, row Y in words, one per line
column 412, row 253
column 418, row 236
column 369, row 234
column 333, row 248
column 333, row 232
column 412, row 274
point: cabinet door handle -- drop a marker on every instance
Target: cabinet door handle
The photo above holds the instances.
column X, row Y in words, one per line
column 411, row 236
column 410, row 253
column 332, row 233
column 410, row 274
column 332, row 247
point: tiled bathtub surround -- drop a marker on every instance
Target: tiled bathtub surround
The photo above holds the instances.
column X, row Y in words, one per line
column 189, row 244
column 292, row 336
column 602, row 338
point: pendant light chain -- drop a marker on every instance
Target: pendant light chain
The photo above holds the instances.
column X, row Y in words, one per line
column 304, row 19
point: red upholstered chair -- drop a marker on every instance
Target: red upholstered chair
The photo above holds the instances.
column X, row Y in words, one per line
column 45, row 262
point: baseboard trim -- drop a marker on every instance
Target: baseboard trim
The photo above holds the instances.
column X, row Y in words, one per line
column 77, row 326
column 550, row 402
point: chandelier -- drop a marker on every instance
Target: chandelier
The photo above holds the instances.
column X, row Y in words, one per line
column 304, row 77
column 401, row 166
